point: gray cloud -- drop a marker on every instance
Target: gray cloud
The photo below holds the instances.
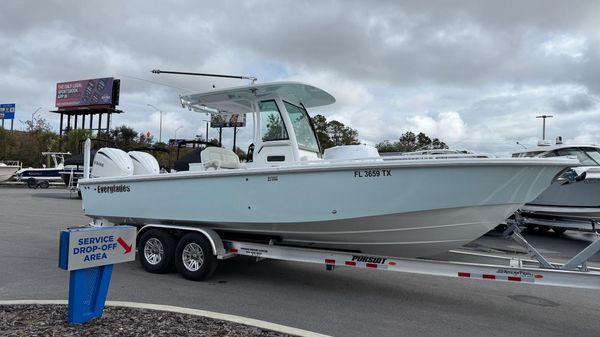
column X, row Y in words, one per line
column 494, row 63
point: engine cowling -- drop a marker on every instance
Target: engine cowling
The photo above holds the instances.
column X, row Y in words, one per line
column 109, row 162
column 143, row 163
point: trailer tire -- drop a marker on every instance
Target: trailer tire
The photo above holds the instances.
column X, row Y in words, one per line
column 31, row 183
column 194, row 257
column 543, row 229
column 157, row 251
column 44, row 184
column 559, row 230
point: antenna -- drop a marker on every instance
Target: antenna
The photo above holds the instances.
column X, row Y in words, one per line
column 158, row 71
column 544, row 124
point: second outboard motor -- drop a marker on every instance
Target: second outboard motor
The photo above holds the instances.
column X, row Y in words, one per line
column 109, row 162
column 143, row 163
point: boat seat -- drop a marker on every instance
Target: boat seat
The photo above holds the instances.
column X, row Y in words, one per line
column 219, row 158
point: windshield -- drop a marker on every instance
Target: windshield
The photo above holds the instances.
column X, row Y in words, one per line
column 594, row 154
column 305, row 134
column 583, row 157
column 527, row 154
column 271, row 123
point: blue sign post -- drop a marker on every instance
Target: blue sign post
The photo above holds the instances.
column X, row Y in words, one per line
column 89, row 254
column 7, row 111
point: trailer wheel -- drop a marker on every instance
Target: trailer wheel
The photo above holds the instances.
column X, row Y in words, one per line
column 543, row 229
column 559, row 230
column 44, row 184
column 157, row 251
column 194, row 257
column 31, row 183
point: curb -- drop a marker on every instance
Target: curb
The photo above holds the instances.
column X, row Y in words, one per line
column 195, row 312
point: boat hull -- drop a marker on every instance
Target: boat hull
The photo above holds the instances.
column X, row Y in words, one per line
column 576, row 200
column 40, row 174
column 6, row 172
column 394, row 209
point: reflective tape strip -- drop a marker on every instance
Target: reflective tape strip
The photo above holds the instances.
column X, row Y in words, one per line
column 365, row 265
column 496, row 277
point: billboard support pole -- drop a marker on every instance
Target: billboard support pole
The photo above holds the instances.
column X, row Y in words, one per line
column 60, row 133
column 207, row 131
column 107, row 123
column 220, row 134
column 234, row 136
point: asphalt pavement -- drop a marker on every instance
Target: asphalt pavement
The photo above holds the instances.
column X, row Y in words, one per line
column 344, row 302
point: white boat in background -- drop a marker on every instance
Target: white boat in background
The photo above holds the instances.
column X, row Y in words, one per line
column 573, row 200
column 47, row 173
column 8, row 169
column 289, row 194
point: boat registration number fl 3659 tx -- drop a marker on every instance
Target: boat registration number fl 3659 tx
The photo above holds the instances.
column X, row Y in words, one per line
column 372, row 173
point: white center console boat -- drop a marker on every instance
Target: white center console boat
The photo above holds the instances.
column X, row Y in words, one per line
column 349, row 199
column 573, row 200
column 8, row 169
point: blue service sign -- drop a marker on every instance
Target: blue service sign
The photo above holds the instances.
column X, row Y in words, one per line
column 87, row 247
column 7, row 111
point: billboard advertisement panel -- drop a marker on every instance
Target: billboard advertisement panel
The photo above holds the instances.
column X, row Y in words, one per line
column 98, row 91
column 7, row 111
column 227, row 120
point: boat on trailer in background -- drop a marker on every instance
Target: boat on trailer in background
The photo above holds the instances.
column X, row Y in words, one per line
column 573, row 200
column 8, row 168
column 348, row 199
column 42, row 176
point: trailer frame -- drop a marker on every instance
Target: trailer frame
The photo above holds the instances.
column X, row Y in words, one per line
column 457, row 263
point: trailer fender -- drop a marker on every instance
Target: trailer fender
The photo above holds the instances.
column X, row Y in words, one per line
column 215, row 240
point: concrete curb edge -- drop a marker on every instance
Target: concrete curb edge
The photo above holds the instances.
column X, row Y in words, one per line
column 196, row 312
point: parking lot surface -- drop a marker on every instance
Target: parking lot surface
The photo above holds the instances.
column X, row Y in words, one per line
column 343, row 302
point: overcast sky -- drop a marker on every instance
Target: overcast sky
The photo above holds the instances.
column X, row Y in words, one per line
column 473, row 73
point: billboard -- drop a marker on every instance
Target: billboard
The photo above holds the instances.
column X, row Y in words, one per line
column 7, row 111
column 227, row 120
column 99, row 91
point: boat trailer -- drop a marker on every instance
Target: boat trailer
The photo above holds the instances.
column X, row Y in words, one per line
column 208, row 244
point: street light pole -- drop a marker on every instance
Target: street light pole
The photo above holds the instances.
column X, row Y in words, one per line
column 544, row 124
column 160, row 124
column 176, row 133
column 32, row 116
